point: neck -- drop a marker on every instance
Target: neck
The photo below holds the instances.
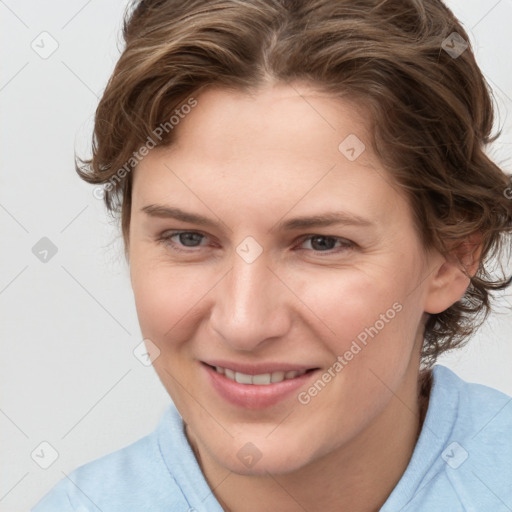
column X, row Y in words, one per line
column 358, row 476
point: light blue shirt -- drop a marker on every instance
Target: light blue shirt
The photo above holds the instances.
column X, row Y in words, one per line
column 462, row 462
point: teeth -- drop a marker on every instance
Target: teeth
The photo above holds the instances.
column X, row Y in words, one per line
column 264, row 378
column 243, row 378
column 277, row 376
column 261, row 379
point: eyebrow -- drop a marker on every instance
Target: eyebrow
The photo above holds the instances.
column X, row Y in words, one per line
column 319, row 220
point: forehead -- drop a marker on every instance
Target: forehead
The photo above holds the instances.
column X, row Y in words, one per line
column 284, row 145
column 280, row 118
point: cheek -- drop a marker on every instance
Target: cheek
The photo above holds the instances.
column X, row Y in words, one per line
column 166, row 298
column 370, row 316
column 346, row 301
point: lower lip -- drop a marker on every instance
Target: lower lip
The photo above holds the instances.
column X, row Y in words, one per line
column 254, row 396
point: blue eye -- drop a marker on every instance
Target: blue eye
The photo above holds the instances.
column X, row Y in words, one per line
column 186, row 239
column 326, row 244
column 192, row 239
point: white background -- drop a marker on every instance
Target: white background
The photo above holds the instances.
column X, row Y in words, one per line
column 69, row 326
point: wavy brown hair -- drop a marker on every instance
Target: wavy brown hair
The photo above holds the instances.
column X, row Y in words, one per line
column 431, row 112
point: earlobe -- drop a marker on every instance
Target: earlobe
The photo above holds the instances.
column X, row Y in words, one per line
column 450, row 280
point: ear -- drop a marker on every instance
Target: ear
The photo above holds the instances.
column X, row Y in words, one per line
column 450, row 278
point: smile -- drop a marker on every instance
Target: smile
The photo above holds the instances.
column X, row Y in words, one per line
column 262, row 379
column 256, row 390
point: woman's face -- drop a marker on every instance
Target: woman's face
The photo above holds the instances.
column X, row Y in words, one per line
column 297, row 253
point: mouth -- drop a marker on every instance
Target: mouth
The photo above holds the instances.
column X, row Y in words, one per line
column 257, row 390
column 261, row 379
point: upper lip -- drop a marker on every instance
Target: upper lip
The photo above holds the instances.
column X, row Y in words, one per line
column 259, row 368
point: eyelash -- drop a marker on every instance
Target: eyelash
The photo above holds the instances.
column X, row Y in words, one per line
column 165, row 239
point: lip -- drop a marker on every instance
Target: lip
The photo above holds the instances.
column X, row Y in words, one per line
column 254, row 396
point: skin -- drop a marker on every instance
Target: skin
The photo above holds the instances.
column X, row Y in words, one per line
column 248, row 162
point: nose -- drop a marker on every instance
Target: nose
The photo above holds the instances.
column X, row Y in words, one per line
column 250, row 305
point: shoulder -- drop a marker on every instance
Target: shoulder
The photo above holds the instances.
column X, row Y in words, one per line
column 474, row 425
column 119, row 481
column 481, row 412
column 463, row 457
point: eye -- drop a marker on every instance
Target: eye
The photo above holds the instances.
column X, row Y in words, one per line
column 184, row 239
column 178, row 240
column 324, row 243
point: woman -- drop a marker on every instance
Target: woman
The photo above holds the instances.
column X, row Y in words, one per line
column 308, row 214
